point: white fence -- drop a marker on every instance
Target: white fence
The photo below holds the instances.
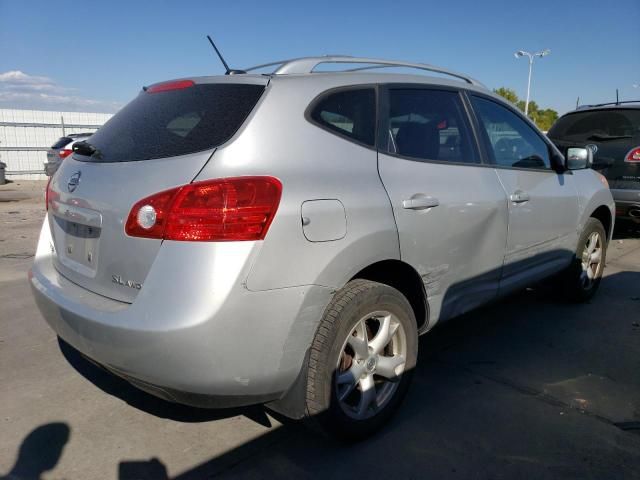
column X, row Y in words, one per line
column 26, row 135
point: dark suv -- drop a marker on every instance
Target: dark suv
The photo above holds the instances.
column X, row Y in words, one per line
column 612, row 131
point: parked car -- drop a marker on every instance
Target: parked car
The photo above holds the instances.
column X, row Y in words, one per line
column 61, row 150
column 612, row 131
column 284, row 238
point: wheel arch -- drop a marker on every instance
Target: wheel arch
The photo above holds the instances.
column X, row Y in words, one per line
column 404, row 278
column 603, row 214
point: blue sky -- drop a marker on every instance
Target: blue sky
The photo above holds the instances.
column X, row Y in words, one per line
column 95, row 56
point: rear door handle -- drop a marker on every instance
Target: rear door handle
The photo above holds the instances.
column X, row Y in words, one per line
column 420, row 203
column 519, row 197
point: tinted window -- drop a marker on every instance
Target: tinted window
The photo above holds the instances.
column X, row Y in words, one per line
column 349, row 112
column 582, row 126
column 62, row 141
column 174, row 122
column 513, row 142
column 430, row 125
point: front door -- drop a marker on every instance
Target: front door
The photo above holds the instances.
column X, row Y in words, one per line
column 543, row 204
column 451, row 211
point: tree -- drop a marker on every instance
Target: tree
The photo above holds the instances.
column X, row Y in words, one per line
column 533, row 108
column 507, row 94
column 542, row 118
column 549, row 117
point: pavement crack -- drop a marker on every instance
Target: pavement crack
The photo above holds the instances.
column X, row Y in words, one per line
column 631, row 427
column 20, row 256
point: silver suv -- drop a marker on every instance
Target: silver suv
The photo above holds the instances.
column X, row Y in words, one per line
column 284, row 238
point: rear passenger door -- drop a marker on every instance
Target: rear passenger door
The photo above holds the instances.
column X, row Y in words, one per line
column 450, row 209
column 543, row 205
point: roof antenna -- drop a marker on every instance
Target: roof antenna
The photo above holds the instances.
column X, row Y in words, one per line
column 617, row 99
column 229, row 71
column 577, row 102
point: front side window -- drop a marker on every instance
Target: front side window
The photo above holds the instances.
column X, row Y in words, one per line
column 428, row 125
column 351, row 113
column 513, row 142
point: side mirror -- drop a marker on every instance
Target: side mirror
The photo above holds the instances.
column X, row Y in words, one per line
column 579, row 158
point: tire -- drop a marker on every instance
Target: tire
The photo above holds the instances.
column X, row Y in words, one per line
column 581, row 280
column 361, row 311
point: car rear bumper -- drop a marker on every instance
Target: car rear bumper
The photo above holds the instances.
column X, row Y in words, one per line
column 627, row 203
column 247, row 347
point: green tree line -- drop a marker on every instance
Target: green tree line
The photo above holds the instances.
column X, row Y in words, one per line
column 542, row 118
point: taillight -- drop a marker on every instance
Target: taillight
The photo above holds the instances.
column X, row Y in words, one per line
column 65, row 153
column 228, row 209
column 633, row 156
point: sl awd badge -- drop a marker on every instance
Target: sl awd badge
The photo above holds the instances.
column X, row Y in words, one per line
column 125, row 283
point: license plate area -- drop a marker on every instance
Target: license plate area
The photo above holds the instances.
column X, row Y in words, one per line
column 77, row 246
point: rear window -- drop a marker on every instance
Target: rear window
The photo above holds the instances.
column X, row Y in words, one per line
column 609, row 123
column 62, row 141
column 351, row 113
column 174, row 122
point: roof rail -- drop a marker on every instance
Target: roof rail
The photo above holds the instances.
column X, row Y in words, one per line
column 606, row 104
column 308, row 64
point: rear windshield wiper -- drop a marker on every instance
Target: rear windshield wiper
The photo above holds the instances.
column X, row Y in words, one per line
column 85, row 148
column 604, row 138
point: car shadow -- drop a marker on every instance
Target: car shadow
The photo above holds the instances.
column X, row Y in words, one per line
column 626, row 229
column 120, row 388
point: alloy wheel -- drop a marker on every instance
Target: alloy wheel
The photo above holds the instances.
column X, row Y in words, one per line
column 591, row 260
column 370, row 364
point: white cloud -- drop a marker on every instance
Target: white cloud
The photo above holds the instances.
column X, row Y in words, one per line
column 23, row 91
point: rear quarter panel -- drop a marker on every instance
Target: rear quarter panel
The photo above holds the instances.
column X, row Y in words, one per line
column 312, row 164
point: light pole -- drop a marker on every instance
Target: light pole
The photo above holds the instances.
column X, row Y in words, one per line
column 522, row 53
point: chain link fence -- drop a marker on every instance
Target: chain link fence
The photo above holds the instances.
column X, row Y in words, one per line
column 26, row 135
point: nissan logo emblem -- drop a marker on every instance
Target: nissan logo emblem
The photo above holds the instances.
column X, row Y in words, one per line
column 74, row 181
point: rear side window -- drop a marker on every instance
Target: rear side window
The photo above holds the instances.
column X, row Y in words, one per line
column 351, row 113
column 512, row 141
column 597, row 125
column 62, row 141
column 429, row 125
column 174, row 122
